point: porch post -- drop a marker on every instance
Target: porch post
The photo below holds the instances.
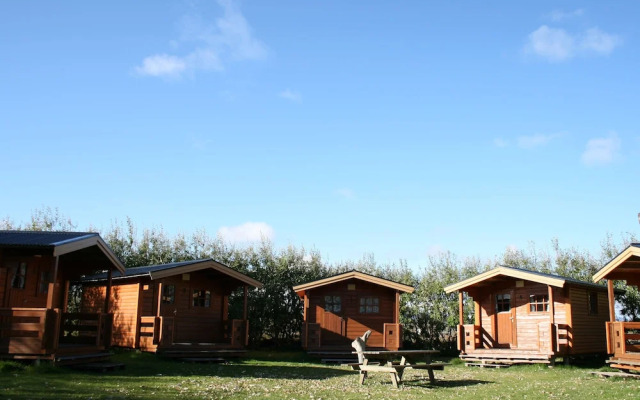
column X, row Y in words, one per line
column 612, row 301
column 159, row 299
column 245, row 313
column 245, row 316
column 52, row 284
column 461, row 307
column 552, row 308
column 305, row 316
column 397, row 309
column 107, row 296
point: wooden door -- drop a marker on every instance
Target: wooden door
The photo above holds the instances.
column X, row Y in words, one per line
column 505, row 312
column 334, row 325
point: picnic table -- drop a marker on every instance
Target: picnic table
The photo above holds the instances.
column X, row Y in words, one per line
column 396, row 361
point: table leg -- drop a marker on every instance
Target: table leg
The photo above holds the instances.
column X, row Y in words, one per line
column 394, row 379
column 432, row 378
column 363, row 374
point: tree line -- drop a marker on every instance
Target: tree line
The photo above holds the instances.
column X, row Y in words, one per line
column 429, row 315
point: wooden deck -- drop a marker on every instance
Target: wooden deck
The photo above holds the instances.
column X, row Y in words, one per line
column 201, row 350
column 507, row 357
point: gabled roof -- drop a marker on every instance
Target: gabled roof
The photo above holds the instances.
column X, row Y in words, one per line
column 177, row 268
column 300, row 289
column 518, row 273
column 622, row 265
column 59, row 243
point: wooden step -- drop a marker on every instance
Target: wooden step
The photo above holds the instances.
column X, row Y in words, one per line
column 204, row 360
column 81, row 358
column 98, row 366
column 485, row 365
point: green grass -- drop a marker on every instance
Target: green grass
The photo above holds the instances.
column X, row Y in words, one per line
column 293, row 375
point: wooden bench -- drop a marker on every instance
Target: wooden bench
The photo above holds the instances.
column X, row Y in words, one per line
column 396, row 370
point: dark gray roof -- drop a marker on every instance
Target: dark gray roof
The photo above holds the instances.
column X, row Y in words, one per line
column 143, row 271
column 637, row 245
column 40, row 239
column 565, row 278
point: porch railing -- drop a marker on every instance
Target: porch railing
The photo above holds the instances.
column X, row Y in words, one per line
column 392, row 336
column 156, row 331
column 24, row 330
column 40, row 331
column 623, row 339
column 85, row 329
column 469, row 337
column 311, row 336
column 239, row 333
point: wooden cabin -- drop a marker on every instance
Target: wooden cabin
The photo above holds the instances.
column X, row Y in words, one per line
column 341, row 308
column 524, row 316
column 623, row 338
column 179, row 309
column 36, row 271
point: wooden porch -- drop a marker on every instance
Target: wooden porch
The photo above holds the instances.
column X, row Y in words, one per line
column 476, row 345
column 623, row 343
column 157, row 334
column 54, row 335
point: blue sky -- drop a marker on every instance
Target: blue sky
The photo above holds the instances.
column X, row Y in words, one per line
column 399, row 129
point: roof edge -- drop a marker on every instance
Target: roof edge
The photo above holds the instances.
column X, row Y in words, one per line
column 357, row 275
column 630, row 251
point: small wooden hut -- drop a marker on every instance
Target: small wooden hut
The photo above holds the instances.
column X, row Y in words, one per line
column 524, row 316
column 623, row 338
column 179, row 309
column 36, row 272
column 341, row 308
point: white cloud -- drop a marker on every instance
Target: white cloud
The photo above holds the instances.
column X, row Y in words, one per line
column 162, row 65
column 247, row 232
column 537, row 140
column 346, row 193
column 212, row 46
column 559, row 15
column 596, row 41
column 499, row 142
column 556, row 44
column 552, row 44
column 291, row 95
column 601, row 151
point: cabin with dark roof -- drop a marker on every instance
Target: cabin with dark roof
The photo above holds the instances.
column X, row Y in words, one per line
column 523, row 316
column 623, row 339
column 179, row 309
column 36, row 272
column 341, row 308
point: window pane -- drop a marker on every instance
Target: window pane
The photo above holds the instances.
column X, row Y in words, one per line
column 327, row 299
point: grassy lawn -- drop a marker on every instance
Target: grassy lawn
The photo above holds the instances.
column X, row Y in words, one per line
column 293, row 376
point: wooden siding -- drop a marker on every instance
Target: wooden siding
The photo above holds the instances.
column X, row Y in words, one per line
column 124, row 306
column 3, row 283
column 138, row 297
column 30, row 296
column 195, row 324
column 589, row 331
column 532, row 330
column 355, row 322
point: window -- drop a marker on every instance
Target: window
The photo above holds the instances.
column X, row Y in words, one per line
column 503, row 302
column 19, row 276
column 369, row 305
column 593, row 303
column 43, row 283
column 168, row 294
column 333, row 304
column 201, row 298
column 539, row 303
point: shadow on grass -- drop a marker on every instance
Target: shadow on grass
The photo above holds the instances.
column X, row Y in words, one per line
column 425, row 383
column 183, row 369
